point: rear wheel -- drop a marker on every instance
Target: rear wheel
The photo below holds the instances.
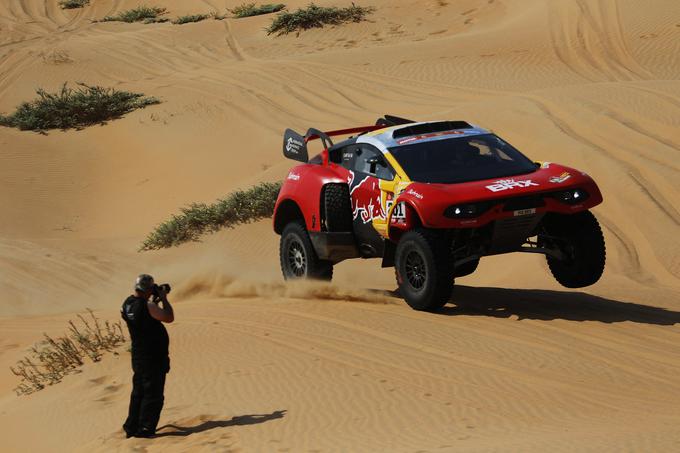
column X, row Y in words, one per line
column 423, row 269
column 298, row 258
column 579, row 238
column 337, row 208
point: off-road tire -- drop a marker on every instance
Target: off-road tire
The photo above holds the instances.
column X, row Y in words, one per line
column 466, row 269
column 337, row 208
column 583, row 243
column 298, row 258
column 423, row 269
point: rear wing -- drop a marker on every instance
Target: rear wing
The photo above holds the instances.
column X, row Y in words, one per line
column 295, row 144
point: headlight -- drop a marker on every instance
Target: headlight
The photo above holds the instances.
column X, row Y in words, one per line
column 467, row 210
column 572, row 196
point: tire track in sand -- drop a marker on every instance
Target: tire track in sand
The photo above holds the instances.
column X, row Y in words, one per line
column 591, row 42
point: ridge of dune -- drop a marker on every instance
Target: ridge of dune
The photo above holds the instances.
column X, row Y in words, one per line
column 516, row 362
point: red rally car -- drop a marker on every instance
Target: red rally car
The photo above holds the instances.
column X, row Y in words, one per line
column 431, row 199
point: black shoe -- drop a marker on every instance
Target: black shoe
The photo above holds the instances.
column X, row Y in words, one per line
column 144, row 433
column 129, row 432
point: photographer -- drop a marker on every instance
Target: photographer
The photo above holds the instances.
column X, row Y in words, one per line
column 144, row 317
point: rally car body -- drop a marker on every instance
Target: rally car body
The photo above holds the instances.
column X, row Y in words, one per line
column 446, row 176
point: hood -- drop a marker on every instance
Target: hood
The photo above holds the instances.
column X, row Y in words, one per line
column 547, row 178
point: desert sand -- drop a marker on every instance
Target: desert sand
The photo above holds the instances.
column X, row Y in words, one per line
column 261, row 366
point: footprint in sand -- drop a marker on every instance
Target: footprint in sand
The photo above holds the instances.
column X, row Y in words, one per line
column 99, row 381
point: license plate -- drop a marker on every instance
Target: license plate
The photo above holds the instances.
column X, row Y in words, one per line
column 525, row 212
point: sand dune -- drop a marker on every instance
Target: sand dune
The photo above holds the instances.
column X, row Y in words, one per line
column 515, row 363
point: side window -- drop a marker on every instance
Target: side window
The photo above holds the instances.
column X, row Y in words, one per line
column 370, row 161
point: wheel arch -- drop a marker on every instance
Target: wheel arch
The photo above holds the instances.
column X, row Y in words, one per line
column 413, row 220
column 287, row 211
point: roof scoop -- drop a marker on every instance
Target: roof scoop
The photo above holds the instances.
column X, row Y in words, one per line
column 390, row 120
column 430, row 128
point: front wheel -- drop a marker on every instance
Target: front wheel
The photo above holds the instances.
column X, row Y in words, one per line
column 423, row 268
column 579, row 238
column 298, row 258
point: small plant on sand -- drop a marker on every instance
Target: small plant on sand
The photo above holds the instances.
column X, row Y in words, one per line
column 74, row 108
column 249, row 9
column 314, row 16
column 197, row 219
column 146, row 14
column 191, row 18
column 53, row 358
column 72, row 4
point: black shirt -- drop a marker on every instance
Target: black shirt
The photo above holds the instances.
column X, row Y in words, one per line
column 149, row 338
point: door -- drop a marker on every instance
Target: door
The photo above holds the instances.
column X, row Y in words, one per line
column 369, row 171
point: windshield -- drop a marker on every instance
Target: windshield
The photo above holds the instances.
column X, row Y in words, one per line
column 461, row 159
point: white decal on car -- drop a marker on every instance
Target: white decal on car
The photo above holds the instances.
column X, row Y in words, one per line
column 508, row 184
column 293, row 177
column 293, row 146
column 415, row 194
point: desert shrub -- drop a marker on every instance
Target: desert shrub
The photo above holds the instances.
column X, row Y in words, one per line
column 191, row 18
column 146, row 14
column 197, row 219
column 53, row 358
column 314, row 16
column 249, row 9
column 72, row 4
column 74, row 108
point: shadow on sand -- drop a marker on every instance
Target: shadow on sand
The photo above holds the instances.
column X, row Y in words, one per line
column 549, row 305
column 183, row 431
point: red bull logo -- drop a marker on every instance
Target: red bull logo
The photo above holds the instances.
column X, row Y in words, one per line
column 366, row 199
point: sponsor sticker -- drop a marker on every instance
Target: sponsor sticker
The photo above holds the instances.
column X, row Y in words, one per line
column 293, row 146
column 415, row 194
column 407, row 140
column 525, row 212
column 545, row 165
column 432, row 135
column 399, row 212
column 366, row 204
column 509, row 184
column 293, row 176
column 560, row 179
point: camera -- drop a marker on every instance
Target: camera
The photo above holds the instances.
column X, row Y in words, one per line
column 156, row 288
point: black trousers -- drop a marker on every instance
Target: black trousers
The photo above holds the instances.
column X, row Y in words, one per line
column 146, row 401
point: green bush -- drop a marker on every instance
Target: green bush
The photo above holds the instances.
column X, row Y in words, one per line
column 146, row 14
column 197, row 219
column 74, row 109
column 53, row 358
column 249, row 9
column 72, row 4
column 191, row 18
column 314, row 16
